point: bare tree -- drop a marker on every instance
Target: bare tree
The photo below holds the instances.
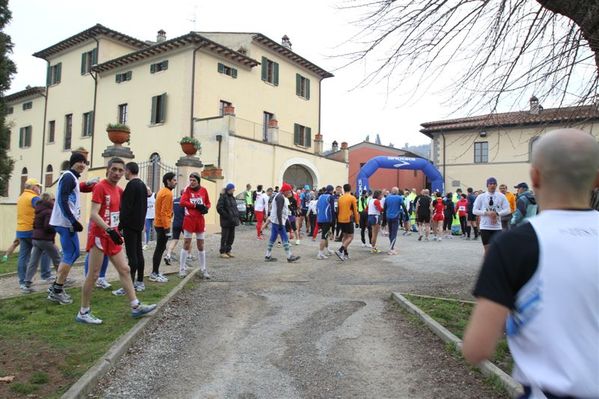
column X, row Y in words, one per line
column 490, row 49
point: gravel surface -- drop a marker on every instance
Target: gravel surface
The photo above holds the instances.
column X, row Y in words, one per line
column 313, row 329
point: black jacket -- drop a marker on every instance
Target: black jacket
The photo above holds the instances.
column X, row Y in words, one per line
column 41, row 223
column 134, row 204
column 227, row 209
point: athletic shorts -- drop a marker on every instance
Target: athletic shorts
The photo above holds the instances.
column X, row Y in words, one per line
column 104, row 244
column 304, row 212
column 486, row 236
column 423, row 218
column 177, row 232
column 438, row 217
column 347, row 228
column 471, row 217
column 324, row 230
column 69, row 241
column 374, row 219
column 189, row 234
column 194, row 224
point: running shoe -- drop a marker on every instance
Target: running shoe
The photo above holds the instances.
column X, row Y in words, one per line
column 50, row 280
column 392, row 252
column 269, row 259
column 322, row 257
column 230, row 255
column 158, row 278
column 375, row 250
column 167, row 260
column 119, row 292
column 260, row 237
column 142, row 310
column 346, row 257
column 87, row 318
column 293, row 258
column 224, row 256
column 60, row 297
column 102, row 283
column 204, row 274
column 419, row 238
column 297, row 242
column 25, row 289
column 69, row 282
column 439, row 239
column 139, row 286
column 182, row 274
column 363, row 245
column 329, row 252
column 340, row 255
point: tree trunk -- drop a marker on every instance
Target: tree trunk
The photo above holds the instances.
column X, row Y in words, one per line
column 585, row 14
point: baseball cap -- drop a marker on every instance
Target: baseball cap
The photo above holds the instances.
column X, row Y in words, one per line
column 286, row 187
column 491, row 180
column 32, row 182
column 307, row 187
column 521, row 185
column 230, row 186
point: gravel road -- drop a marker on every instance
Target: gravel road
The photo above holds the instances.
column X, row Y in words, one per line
column 313, row 329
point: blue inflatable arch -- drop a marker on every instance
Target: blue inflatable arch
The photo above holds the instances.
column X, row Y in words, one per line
column 409, row 163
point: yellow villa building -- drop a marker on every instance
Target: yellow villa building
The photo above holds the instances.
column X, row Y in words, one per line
column 253, row 103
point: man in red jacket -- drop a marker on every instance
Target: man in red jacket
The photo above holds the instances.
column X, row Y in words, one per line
column 196, row 203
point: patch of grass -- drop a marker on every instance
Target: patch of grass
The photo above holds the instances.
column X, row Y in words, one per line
column 9, row 266
column 47, row 351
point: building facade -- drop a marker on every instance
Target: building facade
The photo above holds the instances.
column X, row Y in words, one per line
column 165, row 90
column 469, row 150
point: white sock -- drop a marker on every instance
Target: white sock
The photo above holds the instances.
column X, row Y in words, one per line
column 135, row 303
column 84, row 310
column 320, row 253
column 182, row 260
column 202, row 260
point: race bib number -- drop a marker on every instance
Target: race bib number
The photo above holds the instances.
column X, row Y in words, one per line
column 114, row 219
column 462, row 208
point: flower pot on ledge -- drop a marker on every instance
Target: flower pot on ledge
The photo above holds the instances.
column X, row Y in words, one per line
column 118, row 136
column 189, row 149
column 273, row 123
column 229, row 110
column 212, row 173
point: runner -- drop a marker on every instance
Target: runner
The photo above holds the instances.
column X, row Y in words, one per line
column 374, row 218
column 325, row 206
column 279, row 213
column 162, row 223
column 448, row 215
column 348, row 216
column 490, row 206
column 511, row 199
column 423, row 214
column 311, row 215
column 363, row 210
column 260, row 206
column 104, row 239
column 472, row 219
column 196, row 203
column 438, row 208
column 461, row 208
column 394, row 215
column 249, row 204
column 150, row 215
column 305, row 198
column 178, row 215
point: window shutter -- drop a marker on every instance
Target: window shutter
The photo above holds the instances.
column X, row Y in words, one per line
column 308, row 140
column 83, row 63
column 28, row 136
column 154, row 109
column 275, row 73
column 21, row 145
column 152, row 68
column 49, row 76
column 298, row 84
column 58, row 72
column 296, row 134
column 117, row 77
column 234, row 73
column 164, row 65
column 307, row 89
column 221, row 68
column 129, row 75
column 264, row 68
column 162, row 108
column 94, row 56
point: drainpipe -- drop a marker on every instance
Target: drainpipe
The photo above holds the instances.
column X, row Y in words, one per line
column 42, row 177
column 319, row 103
column 193, row 80
column 444, row 161
column 219, row 138
column 95, row 77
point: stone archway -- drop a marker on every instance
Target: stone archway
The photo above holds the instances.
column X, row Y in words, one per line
column 298, row 176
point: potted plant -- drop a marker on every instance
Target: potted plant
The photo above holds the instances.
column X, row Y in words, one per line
column 118, row 133
column 190, row 145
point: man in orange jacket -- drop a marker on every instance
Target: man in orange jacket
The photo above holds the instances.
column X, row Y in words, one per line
column 162, row 223
column 346, row 211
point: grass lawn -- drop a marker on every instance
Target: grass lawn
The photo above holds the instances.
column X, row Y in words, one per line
column 454, row 316
column 47, row 351
column 11, row 265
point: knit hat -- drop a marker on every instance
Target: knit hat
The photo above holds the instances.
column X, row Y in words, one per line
column 77, row 157
column 330, row 188
column 491, row 180
column 286, row 187
column 195, row 175
column 230, row 186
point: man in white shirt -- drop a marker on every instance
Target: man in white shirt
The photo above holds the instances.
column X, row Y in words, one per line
column 490, row 206
column 260, row 206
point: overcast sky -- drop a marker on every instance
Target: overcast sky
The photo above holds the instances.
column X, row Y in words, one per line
column 317, row 29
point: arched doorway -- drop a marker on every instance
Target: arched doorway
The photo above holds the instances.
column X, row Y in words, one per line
column 153, row 173
column 298, row 176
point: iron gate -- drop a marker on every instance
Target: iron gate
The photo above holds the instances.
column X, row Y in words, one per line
column 151, row 172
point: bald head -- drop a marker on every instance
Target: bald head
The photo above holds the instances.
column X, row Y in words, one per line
column 395, row 190
column 567, row 160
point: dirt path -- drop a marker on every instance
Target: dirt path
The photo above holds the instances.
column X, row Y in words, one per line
column 315, row 329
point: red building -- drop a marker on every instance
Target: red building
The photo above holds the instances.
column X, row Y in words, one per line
column 362, row 152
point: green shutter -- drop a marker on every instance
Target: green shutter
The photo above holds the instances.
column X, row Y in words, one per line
column 221, row 68
column 296, row 134
column 152, row 68
column 264, row 68
column 83, row 63
column 307, row 89
column 275, row 73
column 154, row 109
column 162, row 108
column 21, row 144
column 234, row 73
column 164, row 65
column 58, row 72
column 129, row 75
column 94, row 56
column 298, row 84
column 117, row 78
column 48, row 75
column 308, row 140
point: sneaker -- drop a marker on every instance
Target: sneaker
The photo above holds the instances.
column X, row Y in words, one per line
column 329, row 252
column 260, row 237
column 50, row 280
column 375, row 250
column 279, row 245
column 60, row 297
column 182, row 274
column 419, row 238
column 346, row 257
column 102, row 283
column 4, row 259
column 425, row 238
column 139, row 286
column 269, row 259
column 162, row 278
column 25, row 289
column 363, row 245
column 69, row 282
column 167, row 260
column 434, row 238
column 119, row 292
column 292, row 258
column 230, row 255
column 392, row 252
column 205, row 275
column 297, row 242
column 340, row 255
column 142, row 310
column 439, row 239
column 87, row 318
column 158, row 278
column 224, row 256
column 368, row 245
column 322, row 257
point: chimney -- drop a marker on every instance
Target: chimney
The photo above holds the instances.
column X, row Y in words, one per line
column 318, row 144
column 534, row 106
column 345, row 151
column 335, row 147
column 285, row 42
column 161, row 36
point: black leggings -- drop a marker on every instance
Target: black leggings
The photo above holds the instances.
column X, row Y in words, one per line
column 135, row 255
column 363, row 227
column 161, row 240
column 312, row 224
column 463, row 224
column 447, row 221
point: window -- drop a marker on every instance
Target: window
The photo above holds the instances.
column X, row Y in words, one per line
column 302, row 86
column 24, row 173
column 158, row 109
column 266, row 119
column 122, row 116
column 159, row 66
column 49, row 176
column 8, row 138
column 68, row 131
column 270, row 71
column 27, row 105
column 88, row 60
column 25, row 137
column 88, row 124
column 123, row 77
column 10, row 110
column 53, row 74
column 532, row 144
column 232, row 72
column 481, row 152
column 221, row 107
column 51, row 131
column 302, row 135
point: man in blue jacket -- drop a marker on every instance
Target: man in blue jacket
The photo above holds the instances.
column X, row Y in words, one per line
column 325, row 209
column 394, row 214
